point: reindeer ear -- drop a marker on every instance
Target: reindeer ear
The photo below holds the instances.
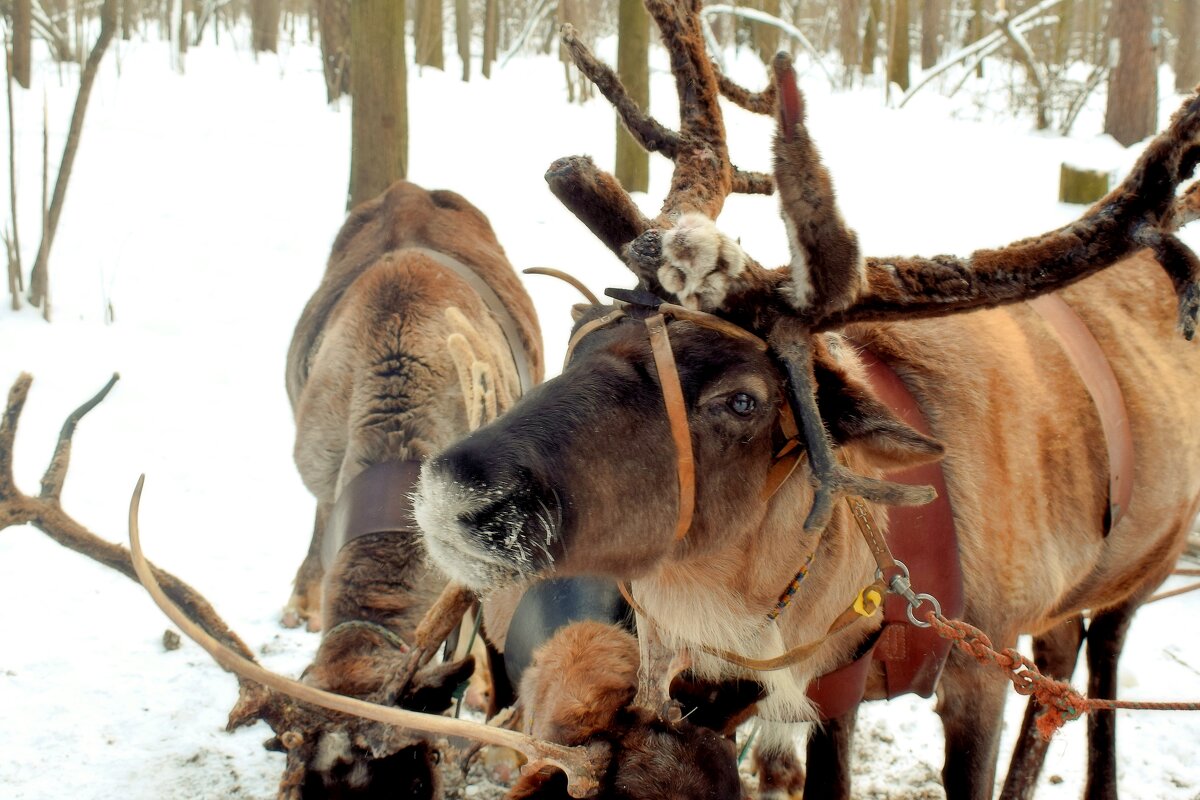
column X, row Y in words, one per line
column 856, row 419
column 578, row 310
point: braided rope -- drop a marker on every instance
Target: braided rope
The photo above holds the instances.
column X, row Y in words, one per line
column 1060, row 702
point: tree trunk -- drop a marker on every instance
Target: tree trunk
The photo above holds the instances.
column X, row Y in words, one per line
column 16, row 278
column 1187, row 58
column 1062, row 34
column 491, row 25
column 1133, row 86
column 849, row 13
column 22, row 21
column 765, row 37
column 128, row 17
column 871, row 37
column 379, row 124
column 976, row 31
column 898, row 52
column 333, row 20
column 264, row 25
column 427, row 30
column 931, row 32
column 633, row 69
column 462, row 30
column 39, row 283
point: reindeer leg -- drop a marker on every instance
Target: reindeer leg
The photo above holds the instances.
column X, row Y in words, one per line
column 971, row 703
column 1105, row 640
column 828, row 759
column 1055, row 653
column 305, row 602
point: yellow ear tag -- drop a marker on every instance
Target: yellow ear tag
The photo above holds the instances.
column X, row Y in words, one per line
column 867, row 602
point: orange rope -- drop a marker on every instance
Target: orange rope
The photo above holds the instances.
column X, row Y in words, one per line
column 1060, row 702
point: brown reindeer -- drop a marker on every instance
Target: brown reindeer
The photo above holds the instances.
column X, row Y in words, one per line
column 657, row 452
column 419, row 330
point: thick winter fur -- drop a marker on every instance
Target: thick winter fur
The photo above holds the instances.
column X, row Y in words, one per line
column 1025, row 465
column 372, row 377
column 579, row 690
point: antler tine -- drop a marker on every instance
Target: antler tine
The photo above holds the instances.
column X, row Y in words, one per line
column 827, row 267
column 649, row 132
column 1142, row 212
column 582, row 765
column 792, row 342
column 755, row 102
column 703, row 175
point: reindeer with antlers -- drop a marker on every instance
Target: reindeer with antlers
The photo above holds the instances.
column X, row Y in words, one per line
column 792, row 406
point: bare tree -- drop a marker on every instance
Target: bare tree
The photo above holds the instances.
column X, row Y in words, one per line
column 849, row 14
column 12, row 241
column 333, row 18
column 871, row 36
column 491, row 29
column 898, row 52
column 264, row 24
column 1187, row 57
column 22, row 43
column 39, row 284
column 931, row 32
column 1133, row 87
column 379, row 125
column 427, row 32
column 633, row 70
column 462, row 31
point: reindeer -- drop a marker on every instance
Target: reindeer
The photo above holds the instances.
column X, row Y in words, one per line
column 753, row 389
column 419, row 330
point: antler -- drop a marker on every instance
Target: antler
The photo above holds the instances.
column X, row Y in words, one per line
column 703, row 174
column 45, row 512
column 291, row 720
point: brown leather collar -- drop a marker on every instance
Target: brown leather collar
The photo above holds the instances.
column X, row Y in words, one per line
column 378, row 500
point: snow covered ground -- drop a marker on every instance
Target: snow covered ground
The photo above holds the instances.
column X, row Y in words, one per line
column 201, row 211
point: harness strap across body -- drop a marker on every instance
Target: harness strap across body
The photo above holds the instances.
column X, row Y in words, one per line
column 377, row 500
column 1092, row 366
column 499, row 311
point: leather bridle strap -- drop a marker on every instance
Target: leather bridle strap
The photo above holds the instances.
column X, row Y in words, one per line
column 672, row 392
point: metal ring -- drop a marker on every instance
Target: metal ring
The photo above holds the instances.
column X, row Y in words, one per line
column 903, row 569
column 912, row 617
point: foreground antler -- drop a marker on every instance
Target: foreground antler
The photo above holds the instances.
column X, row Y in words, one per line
column 388, row 726
column 45, row 512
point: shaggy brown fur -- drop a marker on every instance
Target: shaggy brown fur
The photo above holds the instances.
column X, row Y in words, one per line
column 579, row 690
column 372, row 379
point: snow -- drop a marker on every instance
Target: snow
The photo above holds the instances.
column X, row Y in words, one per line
column 201, row 211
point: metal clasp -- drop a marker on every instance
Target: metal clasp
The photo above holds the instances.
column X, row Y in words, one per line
column 901, row 584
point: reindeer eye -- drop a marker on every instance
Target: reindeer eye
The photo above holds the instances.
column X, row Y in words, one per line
column 742, row 404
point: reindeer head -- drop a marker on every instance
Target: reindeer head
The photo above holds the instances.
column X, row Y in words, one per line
column 593, row 471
